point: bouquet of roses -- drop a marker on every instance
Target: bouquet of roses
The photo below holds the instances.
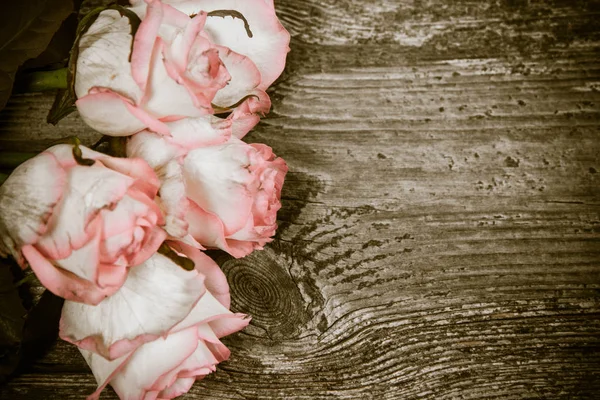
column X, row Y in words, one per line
column 174, row 85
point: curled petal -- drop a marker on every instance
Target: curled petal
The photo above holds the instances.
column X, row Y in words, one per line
column 167, row 97
column 216, row 180
column 114, row 115
column 247, row 114
column 180, row 48
column 144, row 43
column 64, row 283
column 205, row 227
column 245, row 77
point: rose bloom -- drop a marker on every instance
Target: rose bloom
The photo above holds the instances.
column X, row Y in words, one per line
column 173, row 339
column 215, row 189
column 80, row 227
column 184, row 63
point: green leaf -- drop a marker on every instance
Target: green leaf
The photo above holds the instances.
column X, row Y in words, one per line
column 64, row 103
column 26, row 28
column 12, row 321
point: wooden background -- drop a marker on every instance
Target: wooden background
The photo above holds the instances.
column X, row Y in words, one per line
column 440, row 235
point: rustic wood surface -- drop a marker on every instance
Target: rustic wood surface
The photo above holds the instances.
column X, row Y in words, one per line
column 440, row 235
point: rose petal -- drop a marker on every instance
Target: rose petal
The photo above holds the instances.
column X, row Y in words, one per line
column 27, row 199
column 152, row 241
column 144, row 43
column 64, row 283
column 179, row 50
column 132, row 376
column 156, row 296
column 216, row 179
column 89, row 189
column 166, row 97
column 155, row 149
column 269, row 43
column 84, row 261
column 247, row 114
column 173, row 199
column 205, row 227
column 215, row 280
column 112, row 115
column 137, row 168
column 245, row 77
column 206, row 130
column 179, row 387
column 207, row 310
column 103, row 58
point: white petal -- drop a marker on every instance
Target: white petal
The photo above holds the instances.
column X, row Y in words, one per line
column 179, row 387
column 216, row 178
column 155, row 149
column 244, row 77
column 156, row 296
column 27, row 198
column 207, row 309
column 133, row 375
column 83, row 262
column 269, row 43
column 206, row 130
column 104, row 57
column 151, row 361
column 166, row 97
column 109, row 113
column 88, row 190
column 174, row 201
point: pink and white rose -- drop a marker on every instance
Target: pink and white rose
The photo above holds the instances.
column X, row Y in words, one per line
column 217, row 189
column 173, row 339
column 184, row 64
column 80, row 227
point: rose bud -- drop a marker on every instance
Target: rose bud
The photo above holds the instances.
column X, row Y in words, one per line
column 224, row 195
column 80, row 227
column 173, row 339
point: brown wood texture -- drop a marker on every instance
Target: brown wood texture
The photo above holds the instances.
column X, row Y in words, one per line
column 440, row 231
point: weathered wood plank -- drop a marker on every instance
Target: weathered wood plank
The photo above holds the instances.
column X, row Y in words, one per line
column 440, row 230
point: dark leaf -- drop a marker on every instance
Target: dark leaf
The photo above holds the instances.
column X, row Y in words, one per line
column 56, row 54
column 41, row 327
column 26, row 28
column 64, row 103
column 12, row 321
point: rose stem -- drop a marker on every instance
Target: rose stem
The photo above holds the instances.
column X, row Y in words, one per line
column 40, row 81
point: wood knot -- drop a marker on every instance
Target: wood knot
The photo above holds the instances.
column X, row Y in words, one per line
column 262, row 287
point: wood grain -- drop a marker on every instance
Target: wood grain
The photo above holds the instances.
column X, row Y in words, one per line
column 440, row 234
